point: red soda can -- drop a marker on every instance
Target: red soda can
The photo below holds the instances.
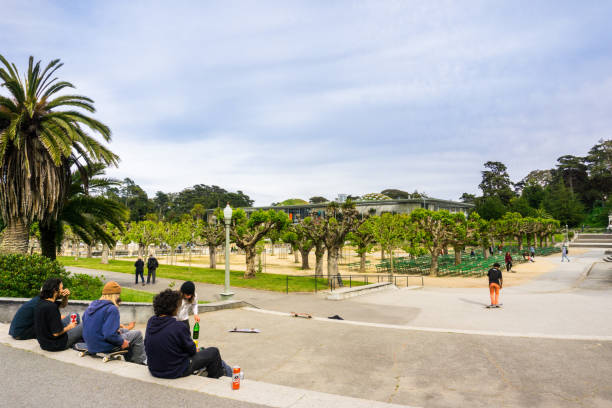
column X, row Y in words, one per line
column 236, row 378
column 73, row 317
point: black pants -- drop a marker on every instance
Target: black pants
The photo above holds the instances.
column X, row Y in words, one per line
column 208, row 358
column 141, row 273
column 151, row 272
column 508, row 266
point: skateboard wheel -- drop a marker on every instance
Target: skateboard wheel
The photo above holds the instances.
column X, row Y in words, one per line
column 104, row 359
column 82, row 354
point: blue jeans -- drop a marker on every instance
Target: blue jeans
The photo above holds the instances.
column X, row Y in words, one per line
column 141, row 273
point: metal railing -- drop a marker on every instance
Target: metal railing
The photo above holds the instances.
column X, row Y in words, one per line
column 340, row 281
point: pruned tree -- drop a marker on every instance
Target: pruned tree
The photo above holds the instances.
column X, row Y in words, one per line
column 338, row 222
column 389, row 231
column 212, row 235
column 363, row 239
column 434, row 230
column 247, row 232
column 315, row 231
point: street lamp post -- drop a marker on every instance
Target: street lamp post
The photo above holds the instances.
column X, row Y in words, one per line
column 227, row 215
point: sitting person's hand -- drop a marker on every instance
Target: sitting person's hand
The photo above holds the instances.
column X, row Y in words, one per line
column 125, row 344
column 128, row 326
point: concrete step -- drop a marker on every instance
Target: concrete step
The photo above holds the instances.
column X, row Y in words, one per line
column 591, row 245
column 595, row 236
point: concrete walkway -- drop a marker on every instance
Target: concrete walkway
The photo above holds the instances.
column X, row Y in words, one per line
column 549, row 346
column 252, row 393
column 560, row 303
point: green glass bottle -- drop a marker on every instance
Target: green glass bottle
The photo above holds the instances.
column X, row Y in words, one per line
column 196, row 333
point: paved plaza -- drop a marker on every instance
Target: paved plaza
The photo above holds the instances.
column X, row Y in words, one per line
column 549, row 346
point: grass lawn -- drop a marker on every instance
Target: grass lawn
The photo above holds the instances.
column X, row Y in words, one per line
column 131, row 295
column 266, row 281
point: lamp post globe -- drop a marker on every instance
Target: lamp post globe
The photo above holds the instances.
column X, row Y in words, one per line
column 227, row 215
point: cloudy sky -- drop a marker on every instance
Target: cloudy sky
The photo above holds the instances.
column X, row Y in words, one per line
column 287, row 99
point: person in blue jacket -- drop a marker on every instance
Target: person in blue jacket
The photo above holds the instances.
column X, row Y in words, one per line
column 102, row 331
column 171, row 353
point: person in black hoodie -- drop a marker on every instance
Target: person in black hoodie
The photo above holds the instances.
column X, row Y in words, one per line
column 152, row 265
column 139, row 264
column 171, row 353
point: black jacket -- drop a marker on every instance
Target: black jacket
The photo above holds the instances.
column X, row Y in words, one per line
column 169, row 346
column 139, row 264
column 152, row 263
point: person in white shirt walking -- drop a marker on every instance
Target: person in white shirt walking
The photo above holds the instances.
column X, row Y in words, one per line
column 189, row 304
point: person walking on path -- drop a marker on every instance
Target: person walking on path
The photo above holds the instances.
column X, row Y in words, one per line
column 139, row 264
column 532, row 252
column 51, row 333
column 152, row 265
column 496, row 282
column 508, row 260
column 564, row 252
column 101, row 327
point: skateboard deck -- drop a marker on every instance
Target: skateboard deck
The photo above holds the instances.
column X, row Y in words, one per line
column 115, row 354
column 302, row 315
column 494, row 307
column 237, row 330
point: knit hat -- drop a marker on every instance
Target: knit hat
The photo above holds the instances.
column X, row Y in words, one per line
column 188, row 288
column 111, row 288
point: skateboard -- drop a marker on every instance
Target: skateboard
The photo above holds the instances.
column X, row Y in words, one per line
column 237, row 330
column 302, row 315
column 494, row 307
column 114, row 354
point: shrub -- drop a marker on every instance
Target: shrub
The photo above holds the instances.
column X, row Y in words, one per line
column 23, row 275
column 84, row 286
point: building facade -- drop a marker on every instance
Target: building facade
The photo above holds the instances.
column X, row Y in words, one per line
column 399, row 206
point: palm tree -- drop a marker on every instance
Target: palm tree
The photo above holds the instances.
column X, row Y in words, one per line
column 42, row 135
column 86, row 215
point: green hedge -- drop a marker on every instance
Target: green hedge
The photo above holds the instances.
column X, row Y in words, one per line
column 23, row 275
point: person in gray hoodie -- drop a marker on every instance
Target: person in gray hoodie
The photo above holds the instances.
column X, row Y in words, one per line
column 102, row 331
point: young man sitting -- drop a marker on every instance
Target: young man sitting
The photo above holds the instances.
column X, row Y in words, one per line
column 51, row 333
column 171, row 353
column 22, row 325
column 102, row 330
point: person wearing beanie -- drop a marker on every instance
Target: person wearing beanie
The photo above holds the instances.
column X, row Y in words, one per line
column 189, row 303
column 102, row 329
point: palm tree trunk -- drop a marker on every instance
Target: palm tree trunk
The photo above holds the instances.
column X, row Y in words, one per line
column 47, row 240
column 16, row 237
